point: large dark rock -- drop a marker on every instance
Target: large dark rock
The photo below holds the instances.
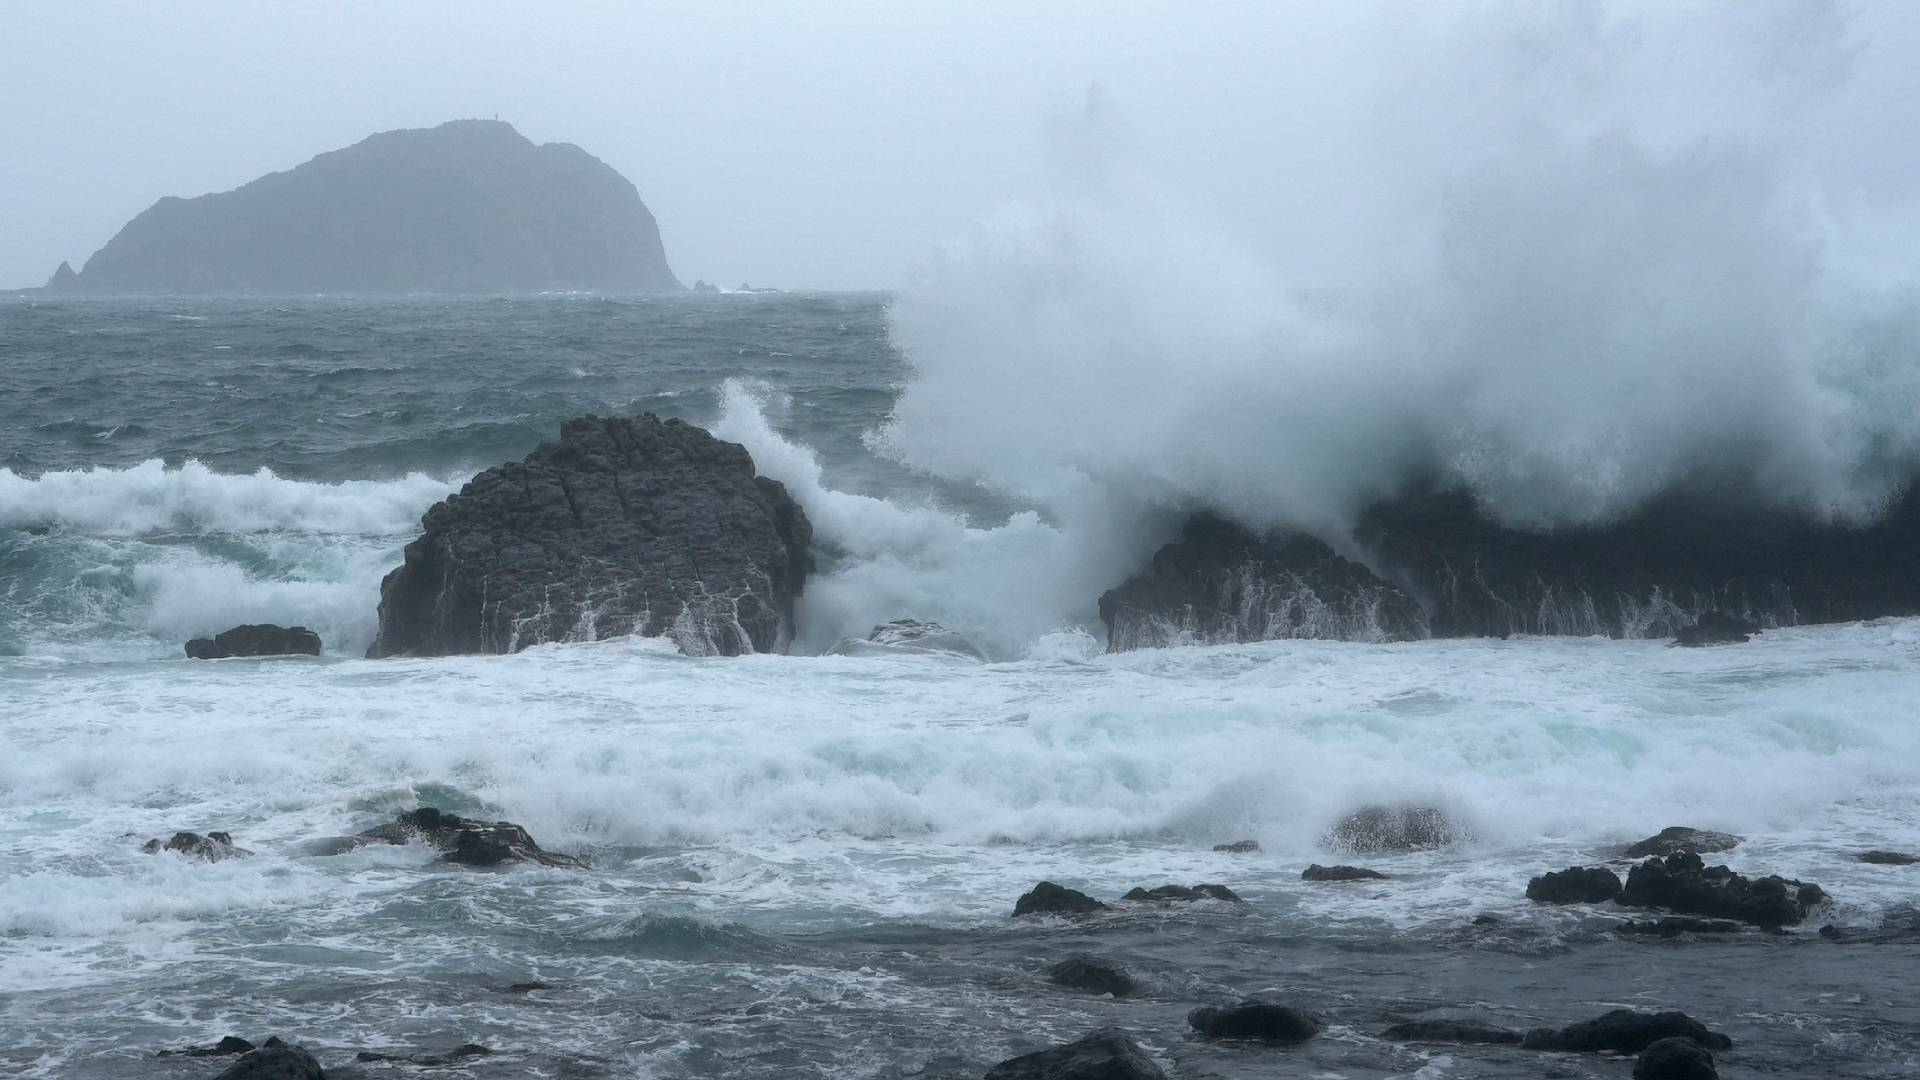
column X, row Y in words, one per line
column 1624, row 1031
column 1221, row 584
column 910, row 637
column 1683, row 884
column 258, row 639
column 1261, row 1020
column 212, row 847
column 275, row 1060
column 1887, row 858
column 461, row 840
column 1394, row 828
column 467, row 207
column 1678, row 839
column 1107, row 1054
column 1675, row 1059
column 226, row 1047
column 1451, row 1031
column 623, row 526
column 1575, row 885
column 1168, row 894
column 1715, row 628
column 1316, row 872
column 1047, row 898
column 1688, row 553
column 1094, row 976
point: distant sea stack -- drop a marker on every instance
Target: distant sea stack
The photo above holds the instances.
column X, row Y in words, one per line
column 471, row 206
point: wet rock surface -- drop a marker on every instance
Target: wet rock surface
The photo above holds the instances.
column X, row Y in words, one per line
column 910, row 637
column 1451, row 1031
column 1221, row 584
column 1263, row 1021
column 460, row 840
column 1624, row 1031
column 213, row 847
column 1887, row 858
column 1677, row 925
column 624, row 525
column 1094, row 976
column 1316, row 872
column 1106, row 1054
column 1716, row 628
column 455, row 1056
column 1575, row 885
column 275, row 1060
column 1685, row 885
column 1048, row 898
column 1680, row 840
column 257, row 639
column 230, row 1045
column 1374, row 829
column 1173, row 894
column 1239, row 847
column 1675, row 1059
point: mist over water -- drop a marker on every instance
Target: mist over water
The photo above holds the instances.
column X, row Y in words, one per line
column 1570, row 264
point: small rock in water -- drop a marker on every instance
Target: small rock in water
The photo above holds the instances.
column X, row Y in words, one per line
column 1095, row 976
column 1679, row 840
column 1716, row 628
column 1260, row 1020
column 452, row 1057
column 1316, row 872
column 1238, row 847
column 1047, row 898
column 1683, row 884
column 1675, row 925
column 275, row 1060
column 232, row 1044
column 913, row 637
column 258, row 639
column 1107, row 1054
column 525, row 987
column 1624, row 1031
column 1675, row 1059
column 1888, row 858
column 1373, row 829
column 1575, row 885
column 212, row 847
column 1167, row 894
column 461, row 840
column 1451, row 1031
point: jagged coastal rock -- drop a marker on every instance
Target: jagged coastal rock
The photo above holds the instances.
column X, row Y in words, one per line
column 1682, row 568
column 256, row 639
column 460, row 840
column 213, row 847
column 1685, row 885
column 1372, row 829
column 623, row 526
column 1221, row 584
column 471, row 206
column 1106, row 1054
column 1575, row 885
column 910, row 637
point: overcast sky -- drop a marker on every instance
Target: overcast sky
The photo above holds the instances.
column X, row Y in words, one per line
column 823, row 144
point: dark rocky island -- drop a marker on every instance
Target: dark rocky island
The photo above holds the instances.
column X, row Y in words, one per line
column 623, row 526
column 471, row 206
column 1433, row 565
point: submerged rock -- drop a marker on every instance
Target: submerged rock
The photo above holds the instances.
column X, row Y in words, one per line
column 1222, row 584
column 1575, row 885
column 1675, row 1059
column 275, row 1060
column 1047, row 898
column 1887, row 858
column 909, row 636
column 452, row 1057
column 1093, row 975
column 1624, row 1031
column 256, row 639
column 1451, row 1031
column 1316, row 872
column 461, row 840
column 1166, row 894
column 1683, row 884
column 1106, row 1054
column 1372, row 829
column 1679, row 839
column 232, row 1044
column 1261, row 1020
column 623, row 526
column 212, row 847
column 1239, row 847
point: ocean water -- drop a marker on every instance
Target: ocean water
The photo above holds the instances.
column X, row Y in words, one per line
column 804, row 865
